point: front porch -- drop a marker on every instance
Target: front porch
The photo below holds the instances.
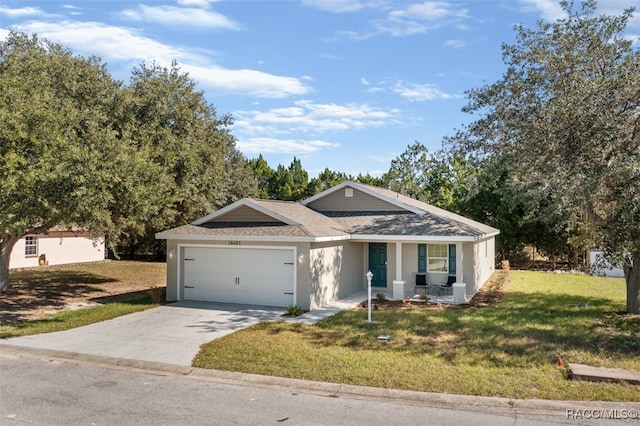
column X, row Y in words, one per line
column 445, row 299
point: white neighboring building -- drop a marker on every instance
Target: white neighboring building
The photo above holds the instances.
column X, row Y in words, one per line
column 601, row 266
column 56, row 248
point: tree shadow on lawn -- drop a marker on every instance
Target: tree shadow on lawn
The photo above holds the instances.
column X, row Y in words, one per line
column 527, row 328
column 32, row 290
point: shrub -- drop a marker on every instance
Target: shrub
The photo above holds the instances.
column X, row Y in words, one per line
column 294, row 310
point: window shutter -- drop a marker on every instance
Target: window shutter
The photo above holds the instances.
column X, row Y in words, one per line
column 452, row 259
column 422, row 258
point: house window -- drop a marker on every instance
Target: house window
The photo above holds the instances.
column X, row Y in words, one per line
column 441, row 258
column 30, row 246
column 438, row 258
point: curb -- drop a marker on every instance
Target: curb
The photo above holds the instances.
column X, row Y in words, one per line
column 436, row 400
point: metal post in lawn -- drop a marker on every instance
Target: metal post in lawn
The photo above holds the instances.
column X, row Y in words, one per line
column 369, row 276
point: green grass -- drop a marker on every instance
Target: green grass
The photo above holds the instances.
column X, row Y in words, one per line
column 123, row 286
column 71, row 319
column 508, row 349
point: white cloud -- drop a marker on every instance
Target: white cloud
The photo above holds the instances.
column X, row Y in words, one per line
column 313, row 118
column 633, row 38
column 456, row 44
column 421, row 92
column 336, row 6
column 432, row 11
column 364, row 81
column 177, row 16
column 109, row 42
column 197, row 3
column 246, row 81
column 417, row 18
column 73, row 10
column 21, row 12
column 124, row 44
column 265, row 145
column 549, row 9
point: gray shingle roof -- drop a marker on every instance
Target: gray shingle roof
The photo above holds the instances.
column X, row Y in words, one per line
column 306, row 223
column 404, row 224
column 464, row 224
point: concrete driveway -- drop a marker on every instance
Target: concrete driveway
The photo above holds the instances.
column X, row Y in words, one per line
column 170, row 334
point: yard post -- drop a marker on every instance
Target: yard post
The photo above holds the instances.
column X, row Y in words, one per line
column 369, row 276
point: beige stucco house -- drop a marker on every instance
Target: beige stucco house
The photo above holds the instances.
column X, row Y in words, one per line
column 56, row 247
column 279, row 253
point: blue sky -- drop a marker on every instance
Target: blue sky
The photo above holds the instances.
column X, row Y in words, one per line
column 343, row 84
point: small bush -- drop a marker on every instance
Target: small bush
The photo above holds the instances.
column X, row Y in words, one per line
column 380, row 297
column 294, row 310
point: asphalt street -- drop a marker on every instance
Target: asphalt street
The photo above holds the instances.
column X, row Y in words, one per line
column 50, row 391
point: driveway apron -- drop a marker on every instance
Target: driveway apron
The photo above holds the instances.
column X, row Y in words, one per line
column 170, row 334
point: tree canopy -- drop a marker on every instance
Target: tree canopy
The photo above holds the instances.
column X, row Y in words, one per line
column 563, row 122
column 82, row 150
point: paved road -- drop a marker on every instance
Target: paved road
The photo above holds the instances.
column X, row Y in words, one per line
column 58, row 392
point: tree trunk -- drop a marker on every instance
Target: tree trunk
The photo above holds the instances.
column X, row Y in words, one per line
column 632, row 277
column 6, row 246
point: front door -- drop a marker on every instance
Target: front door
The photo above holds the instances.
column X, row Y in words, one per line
column 378, row 264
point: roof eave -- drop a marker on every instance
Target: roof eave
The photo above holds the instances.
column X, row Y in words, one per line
column 414, row 238
column 309, row 239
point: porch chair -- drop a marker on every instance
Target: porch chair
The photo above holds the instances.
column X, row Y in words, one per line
column 421, row 283
column 448, row 286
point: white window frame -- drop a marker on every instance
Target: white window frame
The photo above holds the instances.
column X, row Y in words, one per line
column 445, row 259
column 30, row 246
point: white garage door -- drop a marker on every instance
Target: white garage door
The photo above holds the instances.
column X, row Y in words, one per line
column 248, row 275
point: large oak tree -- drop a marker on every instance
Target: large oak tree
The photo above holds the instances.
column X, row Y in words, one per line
column 79, row 149
column 565, row 121
column 62, row 162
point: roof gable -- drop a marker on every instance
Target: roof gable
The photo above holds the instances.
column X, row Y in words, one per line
column 245, row 210
column 355, row 197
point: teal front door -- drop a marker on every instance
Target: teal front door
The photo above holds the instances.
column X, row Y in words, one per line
column 378, row 264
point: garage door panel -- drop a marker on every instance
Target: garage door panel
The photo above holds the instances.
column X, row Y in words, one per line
column 248, row 276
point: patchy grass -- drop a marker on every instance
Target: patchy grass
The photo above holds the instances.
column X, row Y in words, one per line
column 47, row 298
column 508, row 349
column 71, row 319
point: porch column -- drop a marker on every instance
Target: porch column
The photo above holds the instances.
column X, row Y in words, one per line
column 459, row 263
column 398, row 284
column 398, row 261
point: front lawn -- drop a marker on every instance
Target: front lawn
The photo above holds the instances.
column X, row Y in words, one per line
column 56, row 298
column 65, row 320
column 508, row 349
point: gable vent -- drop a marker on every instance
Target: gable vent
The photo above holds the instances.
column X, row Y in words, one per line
column 348, row 192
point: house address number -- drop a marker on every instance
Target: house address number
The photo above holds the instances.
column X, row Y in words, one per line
column 234, row 243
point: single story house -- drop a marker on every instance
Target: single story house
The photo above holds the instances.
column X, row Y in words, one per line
column 281, row 253
column 56, row 247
